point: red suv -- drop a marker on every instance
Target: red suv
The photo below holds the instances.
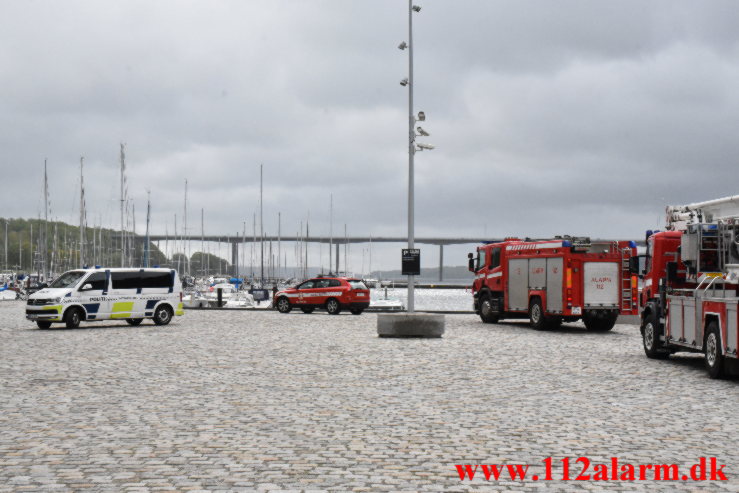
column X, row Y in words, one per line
column 332, row 293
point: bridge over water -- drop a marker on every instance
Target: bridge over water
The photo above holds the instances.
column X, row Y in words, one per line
column 236, row 240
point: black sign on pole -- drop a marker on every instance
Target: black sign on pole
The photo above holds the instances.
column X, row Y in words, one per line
column 260, row 294
column 411, row 261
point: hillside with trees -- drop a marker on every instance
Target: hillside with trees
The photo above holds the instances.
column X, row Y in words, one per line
column 22, row 248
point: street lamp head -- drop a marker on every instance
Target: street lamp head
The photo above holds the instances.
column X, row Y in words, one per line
column 421, row 116
column 403, row 45
column 416, row 8
column 427, row 147
column 404, row 82
column 422, row 132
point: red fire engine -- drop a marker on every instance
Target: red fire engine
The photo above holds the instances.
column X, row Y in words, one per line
column 689, row 297
column 551, row 281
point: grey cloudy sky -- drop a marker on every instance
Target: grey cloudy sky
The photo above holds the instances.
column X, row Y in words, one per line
column 574, row 117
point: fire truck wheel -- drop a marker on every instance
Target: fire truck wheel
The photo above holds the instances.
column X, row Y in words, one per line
column 487, row 314
column 283, row 305
column 714, row 358
column 536, row 314
column 333, row 307
column 599, row 323
column 650, row 338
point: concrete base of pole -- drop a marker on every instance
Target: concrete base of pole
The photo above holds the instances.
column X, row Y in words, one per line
column 410, row 325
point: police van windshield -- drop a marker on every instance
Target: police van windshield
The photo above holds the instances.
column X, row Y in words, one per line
column 67, row 280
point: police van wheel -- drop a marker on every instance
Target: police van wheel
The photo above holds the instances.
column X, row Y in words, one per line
column 72, row 318
column 487, row 314
column 283, row 305
column 308, row 309
column 333, row 307
column 134, row 321
column 43, row 324
column 162, row 315
column 536, row 315
column 713, row 356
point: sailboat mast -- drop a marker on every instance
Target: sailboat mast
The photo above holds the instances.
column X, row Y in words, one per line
column 279, row 242
column 52, row 265
column 123, row 200
column 331, row 232
column 6, row 244
column 44, row 248
column 202, row 242
column 133, row 234
column 175, row 243
column 307, row 241
column 148, row 218
column 185, row 236
column 299, row 248
column 82, row 214
column 253, row 244
column 261, row 222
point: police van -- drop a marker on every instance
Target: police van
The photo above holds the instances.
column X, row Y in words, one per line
column 108, row 294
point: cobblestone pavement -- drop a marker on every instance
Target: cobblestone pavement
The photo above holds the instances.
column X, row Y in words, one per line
column 264, row 401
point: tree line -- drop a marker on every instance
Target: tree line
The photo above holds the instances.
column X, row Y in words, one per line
column 26, row 245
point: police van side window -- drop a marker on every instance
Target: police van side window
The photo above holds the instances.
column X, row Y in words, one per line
column 126, row 280
column 495, row 258
column 97, row 281
column 156, row 280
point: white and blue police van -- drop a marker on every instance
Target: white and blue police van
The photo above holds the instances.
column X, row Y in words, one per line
column 92, row 295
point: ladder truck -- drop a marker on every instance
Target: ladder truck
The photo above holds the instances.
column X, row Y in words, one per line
column 691, row 276
column 557, row 280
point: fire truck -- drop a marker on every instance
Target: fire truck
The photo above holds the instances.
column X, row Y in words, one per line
column 564, row 279
column 689, row 295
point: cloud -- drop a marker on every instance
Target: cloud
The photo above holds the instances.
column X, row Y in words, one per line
column 549, row 118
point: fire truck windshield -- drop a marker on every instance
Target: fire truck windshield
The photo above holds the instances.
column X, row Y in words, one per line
column 481, row 256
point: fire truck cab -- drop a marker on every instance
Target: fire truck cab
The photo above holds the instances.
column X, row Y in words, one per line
column 551, row 281
column 689, row 295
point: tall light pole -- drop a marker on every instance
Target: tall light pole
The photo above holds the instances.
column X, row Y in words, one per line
column 411, row 145
column 261, row 224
